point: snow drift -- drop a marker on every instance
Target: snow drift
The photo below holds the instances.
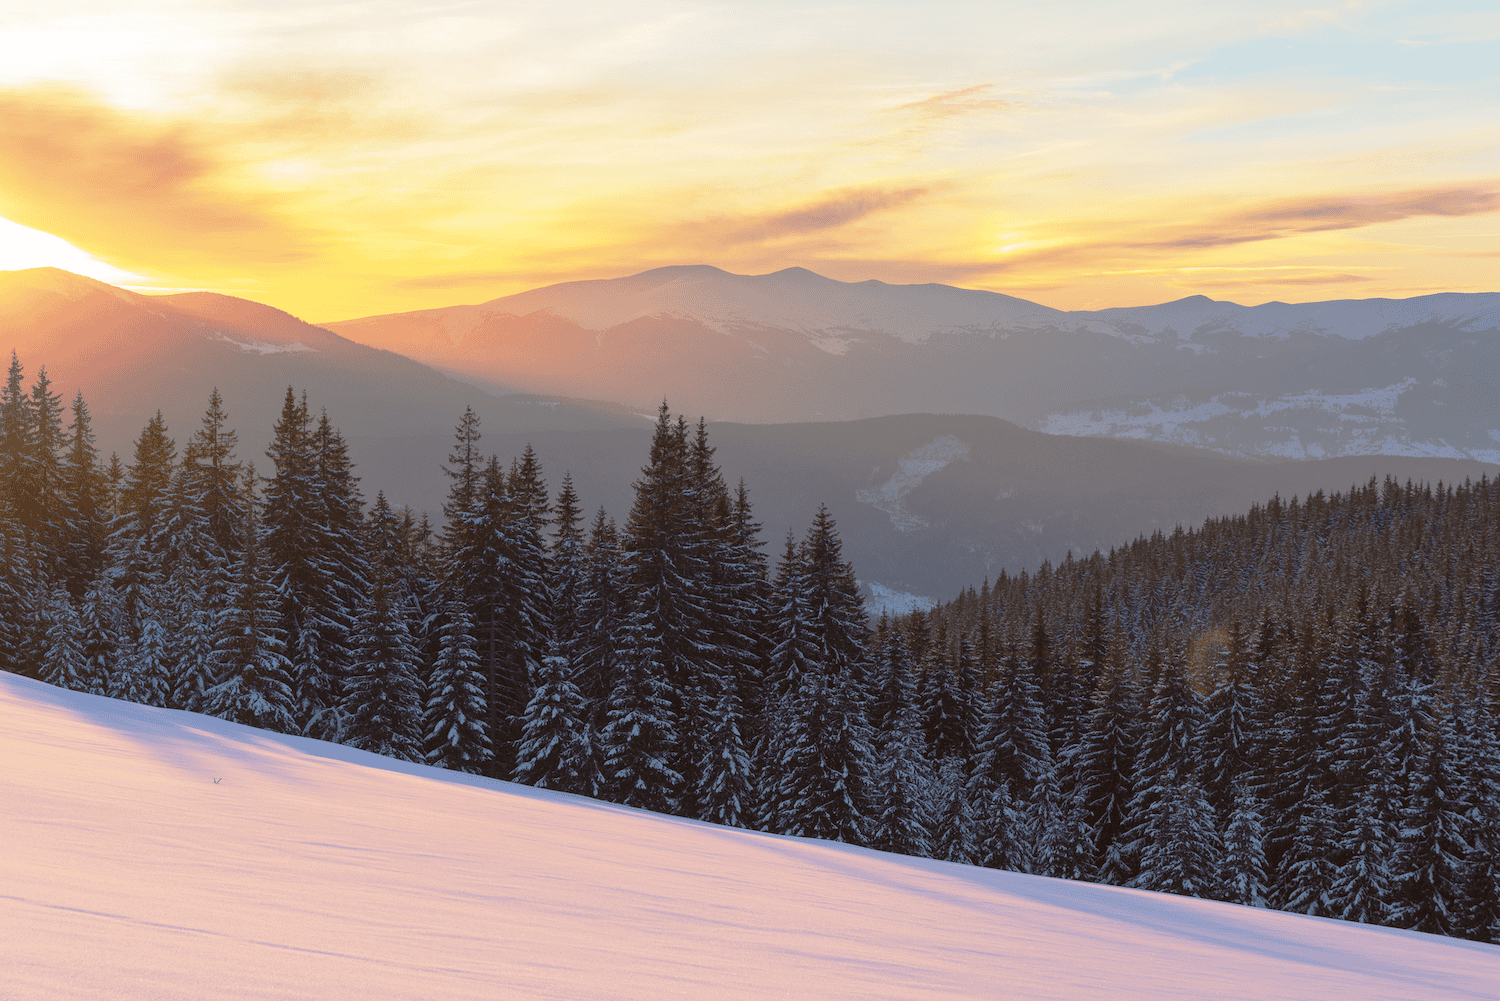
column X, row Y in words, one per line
column 151, row 853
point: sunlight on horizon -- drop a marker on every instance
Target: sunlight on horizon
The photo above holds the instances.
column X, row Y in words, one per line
column 22, row 247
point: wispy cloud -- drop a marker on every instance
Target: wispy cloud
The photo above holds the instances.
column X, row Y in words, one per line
column 830, row 212
column 965, row 101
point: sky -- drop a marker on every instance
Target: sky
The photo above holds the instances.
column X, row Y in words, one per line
column 354, row 158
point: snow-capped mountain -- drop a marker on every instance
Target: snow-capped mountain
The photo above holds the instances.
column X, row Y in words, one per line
column 160, row 854
column 1354, row 377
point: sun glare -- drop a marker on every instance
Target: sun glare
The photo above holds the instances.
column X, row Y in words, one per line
column 22, row 247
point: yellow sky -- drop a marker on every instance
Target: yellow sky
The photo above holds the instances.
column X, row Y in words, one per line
column 341, row 160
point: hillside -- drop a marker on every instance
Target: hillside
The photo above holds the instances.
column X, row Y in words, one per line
column 187, row 857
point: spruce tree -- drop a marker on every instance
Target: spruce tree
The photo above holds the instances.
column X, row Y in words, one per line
column 601, row 617
column 383, row 696
column 795, row 657
column 825, row 764
column 726, row 786
column 249, row 650
column 556, row 750
column 100, row 636
column 1244, row 872
column 84, row 502
column 456, row 717
column 903, row 824
column 1429, row 881
column 955, row 837
column 640, row 734
column 1361, row 888
column 64, row 664
column 1307, row 876
column 1182, row 851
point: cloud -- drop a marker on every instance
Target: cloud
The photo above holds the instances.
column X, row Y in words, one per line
column 828, row 213
column 126, row 186
column 1315, row 215
column 1273, row 280
column 958, row 102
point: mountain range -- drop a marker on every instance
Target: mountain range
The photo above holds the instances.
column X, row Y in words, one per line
column 1310, row 380
column 926, row 502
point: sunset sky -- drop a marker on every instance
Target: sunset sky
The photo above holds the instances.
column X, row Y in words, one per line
column 346, row 159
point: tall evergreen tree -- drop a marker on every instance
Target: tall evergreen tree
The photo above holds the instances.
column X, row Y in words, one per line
column 249, row 649
column 64, row 664
column 557, row 750
column 457, row 719
column 383, row 697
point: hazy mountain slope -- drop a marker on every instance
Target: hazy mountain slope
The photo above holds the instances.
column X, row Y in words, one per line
column 159, row 854
column 927, row 502
column 1304, row 380
column 132, row 354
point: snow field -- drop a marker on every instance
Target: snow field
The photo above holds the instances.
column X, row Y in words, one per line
column 310, row 870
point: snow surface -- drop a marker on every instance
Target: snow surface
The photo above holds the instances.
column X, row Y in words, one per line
column 1366, row 423
column 911, row 470
column 157, row 854
column 880, row 598
column 263, row 347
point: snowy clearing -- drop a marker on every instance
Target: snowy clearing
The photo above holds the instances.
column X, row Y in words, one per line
column 155, row 854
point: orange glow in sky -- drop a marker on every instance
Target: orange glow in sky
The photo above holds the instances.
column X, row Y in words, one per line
column 342, row 160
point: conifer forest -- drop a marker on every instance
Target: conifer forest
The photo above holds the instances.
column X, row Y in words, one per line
column 1291, row 708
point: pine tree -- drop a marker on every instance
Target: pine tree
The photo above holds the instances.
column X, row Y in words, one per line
column 1168, row 759
column 838, row 613
column 456, row 715
column 1182, row 853
column 1001, row 837
column 725, row 784
column 795, row 657
column 195, row 612
column 100, row 637
column 1244, row 873
column 640, row 734
column 1105, row 760
column 568, row 569
column 383, row 696
column 556, row 750
column 954, row 836
column 1362, row 886
column 825, row 764
column 1428, row 891
column 311, row 552
column 667, row 574
column 1305, row 882
column 1228, row 730
column 45, row 497
column 249, row 650
column 84, row 502
column 904, row 824
column 64, row 664
column 1014, row 753
column 213, row 476
column 601, row 617
column 944, row 713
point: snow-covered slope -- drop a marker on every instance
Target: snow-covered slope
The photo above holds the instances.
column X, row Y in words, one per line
column 157, row 854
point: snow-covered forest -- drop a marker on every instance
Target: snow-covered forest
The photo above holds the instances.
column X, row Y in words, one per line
column 1294, row 708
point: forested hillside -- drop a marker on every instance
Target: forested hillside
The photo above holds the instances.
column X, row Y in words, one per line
column 1294, row 708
